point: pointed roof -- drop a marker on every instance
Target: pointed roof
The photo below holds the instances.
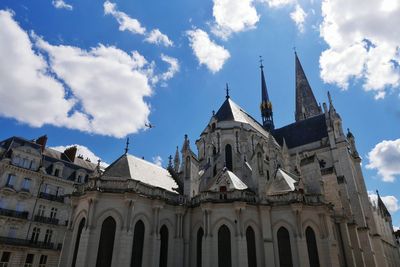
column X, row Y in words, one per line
column 382, row 207
column 306, row 104
column 264, row 91
column 283, row 183
column 230, row 111
column 224, row 178
column 131, row 167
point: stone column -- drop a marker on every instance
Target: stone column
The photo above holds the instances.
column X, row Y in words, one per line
column 87, row 254
column 355, row 242
column 240, row 238
column 367, row 247
column 266, row 230
column 178, row 241
column 347, row 245
column 124, row 241
column 208, row 257
column 301, row 244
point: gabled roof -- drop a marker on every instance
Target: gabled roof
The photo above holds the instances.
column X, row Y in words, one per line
column 283, row 183
column 302, row 132
column 131, row 167
column 224, row 178
column 230, row 111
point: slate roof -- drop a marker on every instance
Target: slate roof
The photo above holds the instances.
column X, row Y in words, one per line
column 230, row 111
column 131, row 167
column 302, row 132
column 224, row 174
column 283, row 182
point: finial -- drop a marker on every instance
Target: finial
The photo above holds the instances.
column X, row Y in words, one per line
column 127, row 145
column 213, row 112
column 261, row 62
column 294, row 49
column 98, row 165
column 170, row 162
column 227, row 91
column 377, row 192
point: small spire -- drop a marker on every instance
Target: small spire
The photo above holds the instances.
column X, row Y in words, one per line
column 127, row 145
column 266, row 105
column 261, row 62
column 98, row 165
column 170, row 166
column 227, row 91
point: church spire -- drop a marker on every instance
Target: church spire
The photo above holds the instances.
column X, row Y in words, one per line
column 266, row 105
column 306, row 105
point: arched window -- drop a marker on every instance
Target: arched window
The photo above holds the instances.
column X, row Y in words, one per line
column 137, row 247
column 215, row 170
column 284, row 248
column 224, row 247
column 260, row 162
column 187, row 167
column 251, row 247
column 200, row 234
column 106, row 244
column 312, row 248
column 78, row 239
column 164, row 246
column 228, row 157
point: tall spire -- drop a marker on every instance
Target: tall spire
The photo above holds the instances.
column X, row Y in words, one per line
column 266, row 105
column 306, row 105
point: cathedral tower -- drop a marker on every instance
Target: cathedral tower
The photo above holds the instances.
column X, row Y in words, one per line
column 266, row 105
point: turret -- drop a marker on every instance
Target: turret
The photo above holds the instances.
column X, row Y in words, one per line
column 266, row 105
column 190, row 169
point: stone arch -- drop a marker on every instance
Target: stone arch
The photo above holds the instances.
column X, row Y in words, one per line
column 199, row 246
column 229, row 157
column 139, row 230
column 315, row 227
column 284, row 247
column 77, row 238
column 251, row 247
column 165, row 236
column 312, row 247
column 224, row 238
column 288, row 226
column 143, row 217
column 106, row 243
column 219, row 223
column 109, row 212
column 78, row 217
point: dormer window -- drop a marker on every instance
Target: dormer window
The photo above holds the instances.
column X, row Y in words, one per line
column 58, row 169
column 57, row 172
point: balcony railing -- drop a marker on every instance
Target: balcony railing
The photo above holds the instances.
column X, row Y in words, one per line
column 51, row 197
column 14, row 213
column 44, row 219
column 29, row 243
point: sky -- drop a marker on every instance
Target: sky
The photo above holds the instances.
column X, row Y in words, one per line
column 92, row 73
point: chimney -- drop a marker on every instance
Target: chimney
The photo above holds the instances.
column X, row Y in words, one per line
column 42, row 141
column 70, row 153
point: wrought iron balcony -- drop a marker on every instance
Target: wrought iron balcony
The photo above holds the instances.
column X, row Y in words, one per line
column 14, row 213
column 28, row 243
column 44, row 219
column 51, row 197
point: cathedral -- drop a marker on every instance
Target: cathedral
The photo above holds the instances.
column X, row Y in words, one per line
column 250, row 195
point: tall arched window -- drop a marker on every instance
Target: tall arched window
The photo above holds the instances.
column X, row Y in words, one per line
column 251, row 247
column 137, row 247
column 312, row 248
column 106, row 244
column 199, row 243
column 187, row 167
column 77, row 240
column 284, row 248
column 164, row 246
column 228, row 157
column 224, row 247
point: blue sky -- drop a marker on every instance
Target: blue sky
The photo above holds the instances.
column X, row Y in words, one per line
column 68, row 57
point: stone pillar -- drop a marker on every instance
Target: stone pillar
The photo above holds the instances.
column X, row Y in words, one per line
column 156, row 236
column 124, row 241
column 347, row 245
column 87, row 254
column 266, row 231
column 355, row 242
column 240, row 238
column 208, row 257
column 367, row 247
column 178, row 248
column 301, row 243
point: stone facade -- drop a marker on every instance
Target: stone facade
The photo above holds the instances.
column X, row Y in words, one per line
column 251, row 196
column 35, row 184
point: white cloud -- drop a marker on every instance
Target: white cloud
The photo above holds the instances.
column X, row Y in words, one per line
column 362, row 44
column 60, row 4
column 207, row 52
column 172, row 69
column 84, row 151
column 385, row 158
column 157, row 160
column 157, row 37
column 299, row 17
column 126, row 23
column 391, row 202
column 100, row 90
column 279, row 3
column 233, row 16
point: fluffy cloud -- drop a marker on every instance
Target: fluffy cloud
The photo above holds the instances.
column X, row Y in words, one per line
column 126, row 23
column 157, row 160
column 172, row 69
column 299, row 17
column 279, row 3
column 391, row 202
column 100, row 90
column 157, row 37
column 207, row 52
column 60, row 4
column 362, row 44
column 233, row 16
column 385, row 158
column 84, row 151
